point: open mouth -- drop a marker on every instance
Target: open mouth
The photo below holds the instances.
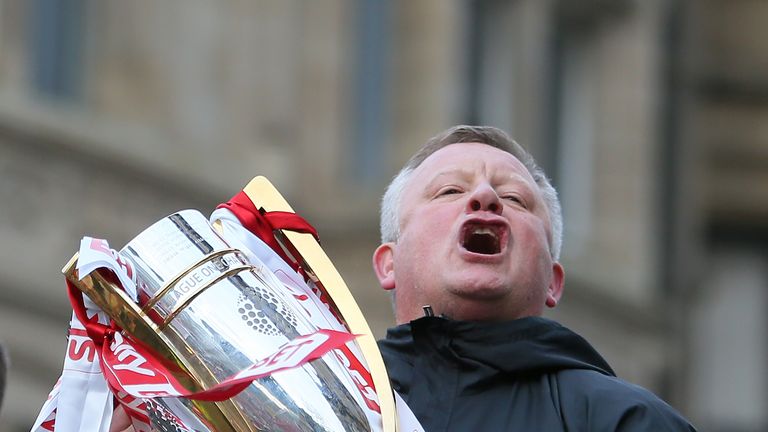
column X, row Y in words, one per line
column 484, row 239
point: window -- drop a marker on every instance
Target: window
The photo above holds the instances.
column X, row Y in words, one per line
column 372, row 92
column 491, row 72
column 576, row 135
column 56, row 47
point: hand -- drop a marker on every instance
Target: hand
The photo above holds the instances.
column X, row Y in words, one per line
column 120, row 421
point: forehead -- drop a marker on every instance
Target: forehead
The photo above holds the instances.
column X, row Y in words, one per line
column 467, row 158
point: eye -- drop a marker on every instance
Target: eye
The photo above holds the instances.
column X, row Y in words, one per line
column 515, row 199
column 449, row 190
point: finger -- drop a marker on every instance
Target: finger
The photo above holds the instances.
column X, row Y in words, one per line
column 120, row 420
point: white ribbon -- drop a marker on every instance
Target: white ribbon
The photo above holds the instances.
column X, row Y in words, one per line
column 80, row 401
column 47, row 417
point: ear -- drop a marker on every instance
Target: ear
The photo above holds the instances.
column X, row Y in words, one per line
column 555, row 289
column 383, row 265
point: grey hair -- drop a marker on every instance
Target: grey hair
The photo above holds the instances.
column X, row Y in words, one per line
column 390, row 202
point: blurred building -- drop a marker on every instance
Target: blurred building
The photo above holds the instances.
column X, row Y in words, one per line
column 651, row 117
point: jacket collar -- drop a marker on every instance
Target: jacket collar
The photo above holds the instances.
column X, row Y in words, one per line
column 522, row 346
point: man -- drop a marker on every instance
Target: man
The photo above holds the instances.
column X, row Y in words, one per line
column 471, row 233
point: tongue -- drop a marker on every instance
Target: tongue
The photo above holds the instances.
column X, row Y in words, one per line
column 481, row 243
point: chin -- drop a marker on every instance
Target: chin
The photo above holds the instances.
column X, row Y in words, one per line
column 476, row 304
column 481, row 287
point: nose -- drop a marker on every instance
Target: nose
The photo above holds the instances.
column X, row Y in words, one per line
column 484, row 198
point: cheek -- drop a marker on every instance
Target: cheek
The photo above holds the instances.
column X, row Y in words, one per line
column 426, row 235
column 538, row 254
column 414, row 249
column 436, row 219
column 419, row 244
column 532, row 236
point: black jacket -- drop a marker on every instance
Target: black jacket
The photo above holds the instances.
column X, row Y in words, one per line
column 530, row 374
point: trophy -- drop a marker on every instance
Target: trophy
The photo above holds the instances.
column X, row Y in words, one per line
column 207, row 308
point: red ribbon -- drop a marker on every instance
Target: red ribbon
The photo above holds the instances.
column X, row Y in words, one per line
column 263, row 224
column 99, row 333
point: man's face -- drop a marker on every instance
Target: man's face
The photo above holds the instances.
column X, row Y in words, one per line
column 474, row 239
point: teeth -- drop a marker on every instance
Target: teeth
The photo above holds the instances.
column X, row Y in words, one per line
column 484, row 231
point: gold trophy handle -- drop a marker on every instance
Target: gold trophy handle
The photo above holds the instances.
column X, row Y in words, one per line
column 111, row 299
column 265, row 196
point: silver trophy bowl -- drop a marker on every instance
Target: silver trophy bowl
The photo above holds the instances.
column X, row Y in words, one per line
column 219, row 312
